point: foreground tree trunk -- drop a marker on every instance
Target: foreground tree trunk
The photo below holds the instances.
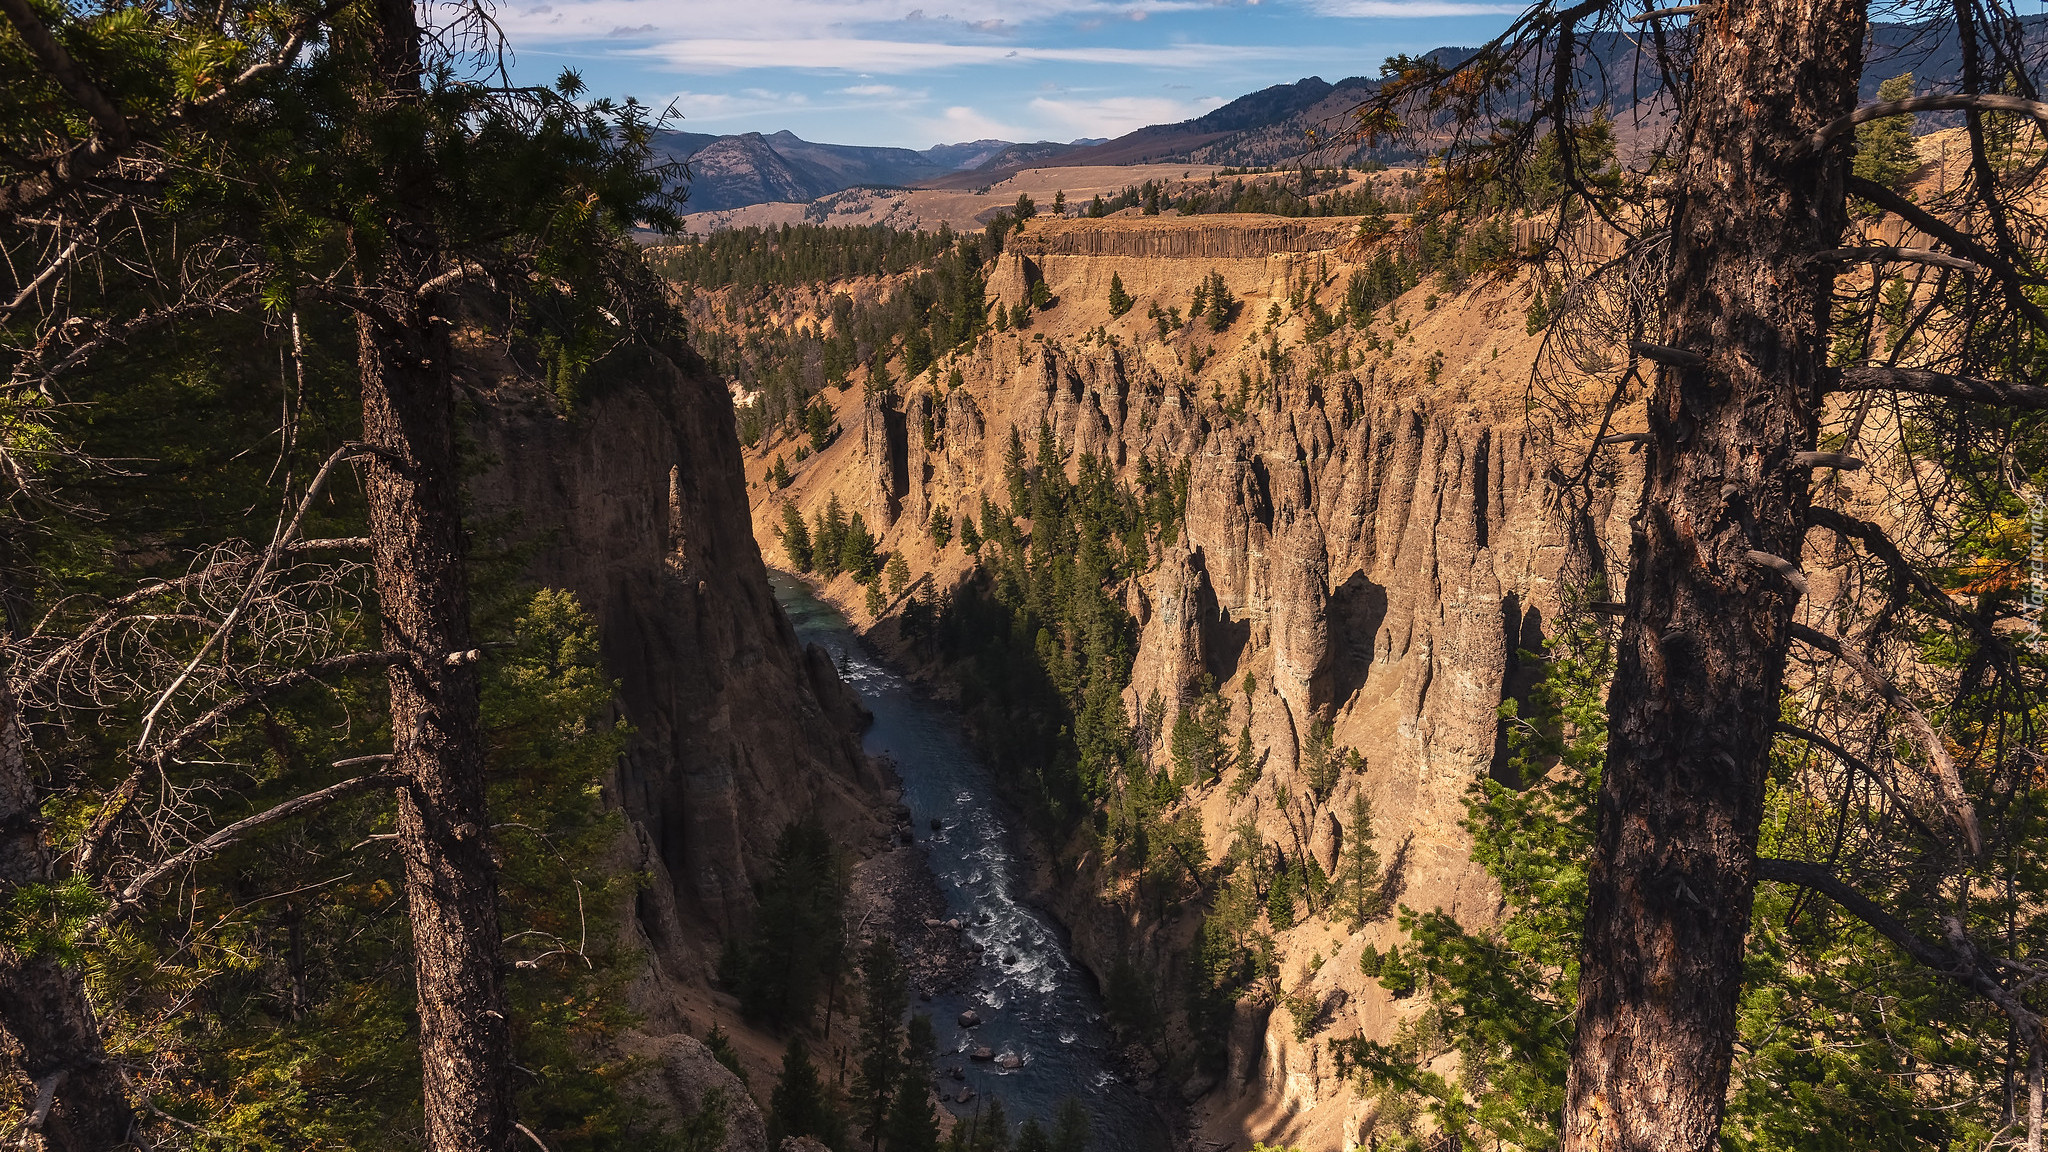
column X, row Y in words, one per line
column 415, row 520
column 43, row 1004
column 1703, row 649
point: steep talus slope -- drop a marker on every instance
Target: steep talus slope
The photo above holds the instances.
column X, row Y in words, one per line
column 1373, row 543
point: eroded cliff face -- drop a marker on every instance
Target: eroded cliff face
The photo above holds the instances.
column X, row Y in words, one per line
column 636, row 503
column 1371, row 540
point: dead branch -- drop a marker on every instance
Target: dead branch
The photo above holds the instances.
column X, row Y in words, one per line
column 1856, row 764
column 1873, row 378
column 2009, row 277
column 1951, row 102
column 1883, row 254
column 1667, row 355
column 284, row 537
column 1930, row 742
column 226, row 837
column 1959, row 962
column 155, row 759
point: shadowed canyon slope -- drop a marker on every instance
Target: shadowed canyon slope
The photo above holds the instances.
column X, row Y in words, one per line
column 634, row 502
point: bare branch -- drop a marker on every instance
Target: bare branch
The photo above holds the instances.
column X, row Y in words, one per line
column 227, row 836
column 466, row 270
column 1839, row 460
column 124, row 794
column 1958, row 962
column 1783, row 567
column 1664, row 13
column 2009, row 277
column 1930, row 741
column 1665, row 354
column 1883, row 253
column 283, row 539
column 1873, row 378
column 1856, row 764
column 1951, row 102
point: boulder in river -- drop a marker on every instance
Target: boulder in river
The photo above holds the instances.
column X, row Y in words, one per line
column 957, row 1072
column 969, row 1018
column 954, row 923
column 984, row 1054
column 965, row 1095
column 1009, row 1061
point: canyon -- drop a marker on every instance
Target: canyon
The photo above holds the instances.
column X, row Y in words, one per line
column 1371, row 542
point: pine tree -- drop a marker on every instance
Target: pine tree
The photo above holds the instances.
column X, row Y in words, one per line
column 796, row 538
column 1031, row 1137
column 1357, row 893
column 797, row 945
column 898, row 574
column 1070, row 1127
column 880, row 1044
column 857, row 550
column 1884, row 148
column 970, row 536
column 1120, row 301
column 940, row 525
column 799, row 1105
column 913, row 1122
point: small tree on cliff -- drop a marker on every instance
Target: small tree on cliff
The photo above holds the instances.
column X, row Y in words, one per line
column 1120, row 301
column 1356, row 891
column 796, row 538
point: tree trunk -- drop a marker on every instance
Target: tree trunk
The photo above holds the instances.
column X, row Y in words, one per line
column 1703, row 647
column 43, row 1004
column 415, row 518
column 450, row 881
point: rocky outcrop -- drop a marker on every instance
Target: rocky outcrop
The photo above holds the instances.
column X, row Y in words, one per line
column 1214, row 237
column 680, row 1079
column 636, row 502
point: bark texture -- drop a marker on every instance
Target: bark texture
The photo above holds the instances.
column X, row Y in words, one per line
column 43, row 1005
column 415, row 515
column 1703, row 649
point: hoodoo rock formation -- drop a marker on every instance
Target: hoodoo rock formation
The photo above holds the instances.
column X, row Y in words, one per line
column 1371, row 542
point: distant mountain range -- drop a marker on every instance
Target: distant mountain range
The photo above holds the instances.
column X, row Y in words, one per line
column 750, row 168
column 1273, row 126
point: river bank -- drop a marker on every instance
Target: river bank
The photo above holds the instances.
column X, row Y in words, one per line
column 1037, row 1034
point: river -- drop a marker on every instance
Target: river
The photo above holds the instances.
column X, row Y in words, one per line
column 1035, row 1002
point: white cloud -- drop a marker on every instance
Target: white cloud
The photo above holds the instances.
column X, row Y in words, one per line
column 1114, row 115
column 812, row 19
column 963, row 123
column 893, row 57
column 1411, row 9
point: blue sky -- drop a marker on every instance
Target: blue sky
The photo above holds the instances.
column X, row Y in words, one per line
column 913, row 73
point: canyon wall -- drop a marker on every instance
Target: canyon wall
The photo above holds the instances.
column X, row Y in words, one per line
column 1372, row 539
column 635, row 502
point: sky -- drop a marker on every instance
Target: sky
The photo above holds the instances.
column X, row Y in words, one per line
column 914, row 73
